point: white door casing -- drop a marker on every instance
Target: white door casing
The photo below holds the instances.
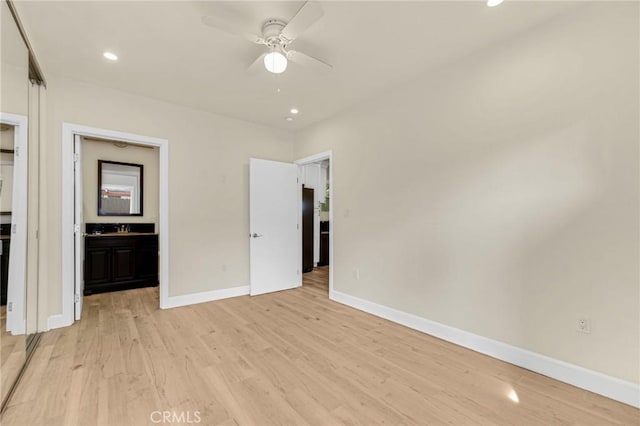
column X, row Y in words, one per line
column 78, row 224
column 273, row 226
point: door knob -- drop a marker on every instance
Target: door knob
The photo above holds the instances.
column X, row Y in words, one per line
column 254, row 235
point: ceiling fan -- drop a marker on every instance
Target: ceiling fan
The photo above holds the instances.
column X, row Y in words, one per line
column 277, row 35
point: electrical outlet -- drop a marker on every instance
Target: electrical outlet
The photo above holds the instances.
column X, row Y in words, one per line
column 583, row 325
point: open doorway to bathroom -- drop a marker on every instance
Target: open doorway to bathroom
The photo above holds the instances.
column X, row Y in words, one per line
column 119, row 248
column 315, row 178
column 117, row 210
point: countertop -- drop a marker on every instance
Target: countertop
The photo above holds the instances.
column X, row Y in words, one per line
column 119, row 234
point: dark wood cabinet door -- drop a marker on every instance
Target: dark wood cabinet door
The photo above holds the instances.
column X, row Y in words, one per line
column 324, row 243
column 147, row 261
column 97, row 266
column 124, row 264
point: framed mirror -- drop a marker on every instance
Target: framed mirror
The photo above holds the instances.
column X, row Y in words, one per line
column 119, row 188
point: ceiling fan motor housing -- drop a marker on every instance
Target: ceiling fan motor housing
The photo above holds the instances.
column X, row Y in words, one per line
column 271, row 32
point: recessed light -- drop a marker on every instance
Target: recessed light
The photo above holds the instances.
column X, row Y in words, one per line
column 294, row 110
column 289, row 118
column 493, row 3
column 110, row 56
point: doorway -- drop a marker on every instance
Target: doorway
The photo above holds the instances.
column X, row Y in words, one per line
column 116, row 198
column 75, row 226
column 13, row 222
column 316, row 210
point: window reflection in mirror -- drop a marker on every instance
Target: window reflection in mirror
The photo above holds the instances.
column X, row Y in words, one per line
column 119, row 189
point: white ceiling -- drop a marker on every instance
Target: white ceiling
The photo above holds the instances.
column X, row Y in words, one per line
column 167, row 53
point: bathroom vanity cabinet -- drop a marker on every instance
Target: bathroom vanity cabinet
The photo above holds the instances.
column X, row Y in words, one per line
column 120, row 261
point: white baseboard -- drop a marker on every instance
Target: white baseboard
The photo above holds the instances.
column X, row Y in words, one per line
column 19, row 330
column 58, row 321
column 611, row 387
column 205, row 296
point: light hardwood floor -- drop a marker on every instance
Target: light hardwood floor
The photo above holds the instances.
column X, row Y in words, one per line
column 291, row 357
column 12, row 355
column 317, row 279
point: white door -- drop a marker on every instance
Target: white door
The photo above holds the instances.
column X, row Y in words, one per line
column 78, row 224
column 275, row 245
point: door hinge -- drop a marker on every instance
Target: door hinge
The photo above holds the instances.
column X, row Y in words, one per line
column 76, row 157
column 297, row 226
column 76, row 228
column 16, row 151
column 77, row 298
column 10, row 307
column 14, row 228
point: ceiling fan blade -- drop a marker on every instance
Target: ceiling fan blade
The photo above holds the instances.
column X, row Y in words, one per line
column 231, row 24
column 306, row 16
column 308, row 61
column 258, row 64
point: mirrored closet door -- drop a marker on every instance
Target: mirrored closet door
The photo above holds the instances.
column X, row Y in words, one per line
column 19, row 210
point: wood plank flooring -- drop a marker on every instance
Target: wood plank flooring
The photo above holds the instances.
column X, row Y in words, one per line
column 12, row 355
column 292, row 358
column 317, row 279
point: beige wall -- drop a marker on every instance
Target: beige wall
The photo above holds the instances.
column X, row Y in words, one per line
column 208, row 180
column 14, row 67
column 92, row 151
column 499, row 194
column 7, row 140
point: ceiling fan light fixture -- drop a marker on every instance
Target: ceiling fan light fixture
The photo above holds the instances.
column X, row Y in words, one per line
column 275, row 62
